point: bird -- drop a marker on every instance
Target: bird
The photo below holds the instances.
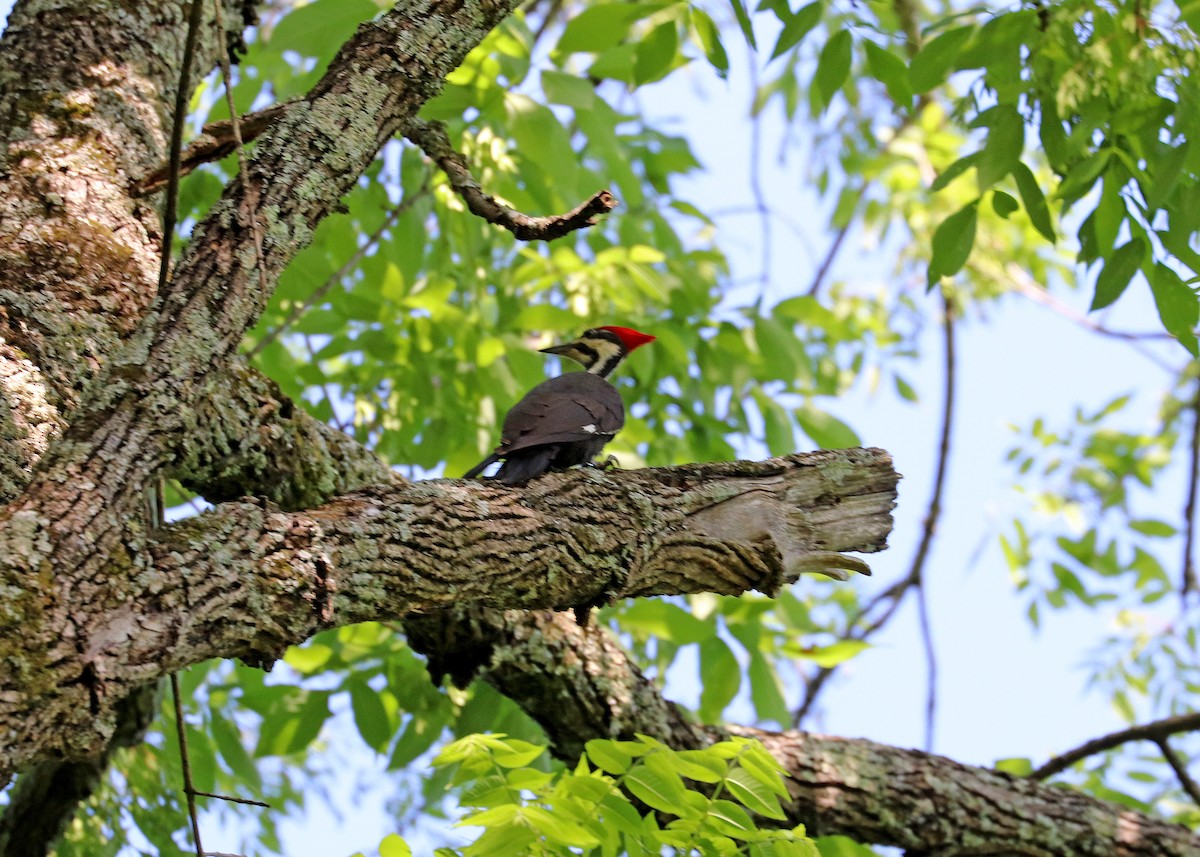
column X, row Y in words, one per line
column 566, row 420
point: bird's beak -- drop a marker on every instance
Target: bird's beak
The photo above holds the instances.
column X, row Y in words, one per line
column 557, row 349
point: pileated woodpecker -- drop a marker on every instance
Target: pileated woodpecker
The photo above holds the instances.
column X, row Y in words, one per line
column 567, row 420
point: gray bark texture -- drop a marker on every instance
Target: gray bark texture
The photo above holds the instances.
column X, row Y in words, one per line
column 107, row 385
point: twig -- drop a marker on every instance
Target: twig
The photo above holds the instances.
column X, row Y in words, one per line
column 1155, row 731
column 432, row 138
column 917, row 571
column 1180, row 768
column 1025, row 286
column 895, row 593
column 189, row 790
column 231, row 799
column 182, row 91
column 215, row 141
column 930, row 665
column 321, row 291
column 1189, row 583
column 240, row 148
column 312, row 355
column 834, row 248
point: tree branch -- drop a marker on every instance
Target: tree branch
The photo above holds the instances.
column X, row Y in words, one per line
column 914, row 579
column 1156, row 731
column 1179, row 766
column 214, row 142
column 1188, row 583
column 246, row 579
column 432, row 138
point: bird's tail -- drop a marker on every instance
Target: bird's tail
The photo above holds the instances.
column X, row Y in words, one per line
column 481, row 466
column 531, row 463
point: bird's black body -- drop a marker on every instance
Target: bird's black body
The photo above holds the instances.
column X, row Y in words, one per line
column 560, row 423
column 567, row 420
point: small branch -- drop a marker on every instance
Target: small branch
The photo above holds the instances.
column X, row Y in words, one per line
column 1188, row 583
column 189, row 790
column 1158, row 730
column 1180, row 768
column 895, row 593
column 432, row 138
column 231, row 799
column 240, row 146
column 930, row 665
column 182, row 91
column 1024, row 285
column 215, row 141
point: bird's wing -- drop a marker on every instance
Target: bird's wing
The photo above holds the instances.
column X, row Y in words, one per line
column 568, row 408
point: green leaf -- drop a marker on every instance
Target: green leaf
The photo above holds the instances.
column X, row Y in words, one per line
column 558, row 828
column 777, row 425
column 710, row 40
column 1177, row 305
column 754, row 795
column 568, row 89
column 952, row 243
column 657, row 618
column 826, row 430
column 830, row 656
column 370, row 715
column 1118, row 270
column 657, row 791
column 765, row 692
column 320, row 28
column 394, row 846
column 720, row 678
column 1003, row 204
column 891, row 71
column 700, row 765
column 1016, row 765
column 1034, row 201
column 1150, row 527
column 833, row 66
column 229, row 742
column 290, row 732
column 932, row 65
column 1080, row 178
column 796, row 27
column 1167, row 170
column 1005, row 142
column 955, row 170
column 729, row 819
column 608, row 756
column 599, row 27
column 842, row 846
column 516, row 753
column 743, row 19
column 655, row 54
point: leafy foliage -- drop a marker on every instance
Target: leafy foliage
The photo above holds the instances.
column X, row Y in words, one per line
column 623, row 797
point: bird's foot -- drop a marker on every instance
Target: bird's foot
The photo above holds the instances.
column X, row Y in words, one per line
column 609, row 463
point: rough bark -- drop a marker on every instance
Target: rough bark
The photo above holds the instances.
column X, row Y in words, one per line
column 935, row 807
column 247, row 579
column 80, row 520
